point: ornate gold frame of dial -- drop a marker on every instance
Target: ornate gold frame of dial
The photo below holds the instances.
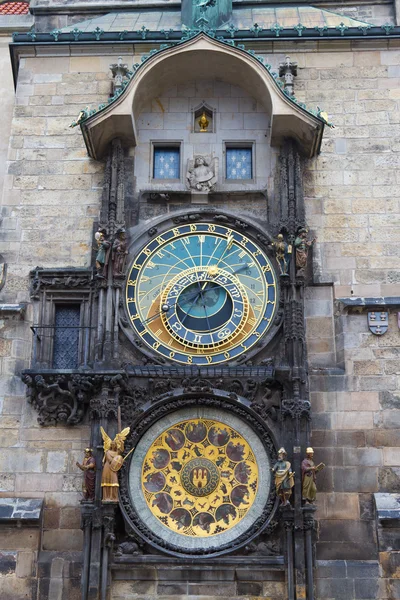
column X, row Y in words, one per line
column 201, row 293
column 224, row 479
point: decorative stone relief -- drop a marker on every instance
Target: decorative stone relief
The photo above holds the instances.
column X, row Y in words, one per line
column 202, row 173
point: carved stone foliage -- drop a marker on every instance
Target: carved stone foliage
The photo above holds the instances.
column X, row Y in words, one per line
column 64, row 397
column 296, row 409
column 179, row 400
column 60, row 398
column 59, row 279
column 262, row 393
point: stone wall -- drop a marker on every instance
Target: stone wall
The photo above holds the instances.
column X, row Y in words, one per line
column 51, row 198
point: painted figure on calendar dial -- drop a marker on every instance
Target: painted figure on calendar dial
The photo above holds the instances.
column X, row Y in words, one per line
column 201, row 293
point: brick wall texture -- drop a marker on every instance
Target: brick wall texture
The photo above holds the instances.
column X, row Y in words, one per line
column 51, row 198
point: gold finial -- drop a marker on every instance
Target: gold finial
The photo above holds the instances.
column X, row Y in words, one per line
column 203, row 122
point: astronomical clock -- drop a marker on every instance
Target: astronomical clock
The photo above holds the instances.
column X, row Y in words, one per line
column 200, row 296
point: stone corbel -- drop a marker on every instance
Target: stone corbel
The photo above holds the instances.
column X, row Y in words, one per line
column 60, row 398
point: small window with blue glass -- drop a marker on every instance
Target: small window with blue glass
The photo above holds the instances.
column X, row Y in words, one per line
column 239, row 163
column 166, row 162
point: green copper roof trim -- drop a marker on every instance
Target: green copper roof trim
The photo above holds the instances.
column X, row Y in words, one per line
column 277, row 30
column 187, row 34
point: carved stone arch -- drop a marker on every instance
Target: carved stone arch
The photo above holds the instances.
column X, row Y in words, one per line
column 207, row 57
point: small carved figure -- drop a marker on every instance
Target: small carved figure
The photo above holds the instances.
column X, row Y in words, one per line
column 128, row 548
column 262, row 548
column 103, row 247
column 309, row 477
column 119, row 72
column 202, row 173
column 203, row 122
column 302, row 245
column 284, row 477
column 283, row 253
column 119, row 253
column 112, row 462
column 88, row 467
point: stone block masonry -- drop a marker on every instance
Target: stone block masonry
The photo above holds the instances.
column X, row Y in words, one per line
column 51, row 199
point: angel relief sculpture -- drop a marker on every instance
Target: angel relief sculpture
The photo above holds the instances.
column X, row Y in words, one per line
column 112, row 462
column 202, row 173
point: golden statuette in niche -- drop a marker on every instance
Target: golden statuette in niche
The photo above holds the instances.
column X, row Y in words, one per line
column 200, row 477
column 203, row 122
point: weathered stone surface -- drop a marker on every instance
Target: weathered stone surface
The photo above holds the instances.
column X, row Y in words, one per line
column 20, row 511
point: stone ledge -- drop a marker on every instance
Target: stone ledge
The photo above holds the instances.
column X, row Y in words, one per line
column 388, row 509
column 369, row 302
column 12, row 311
column 21, row 512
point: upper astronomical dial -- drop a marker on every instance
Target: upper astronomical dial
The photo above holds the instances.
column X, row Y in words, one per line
column 201, row 294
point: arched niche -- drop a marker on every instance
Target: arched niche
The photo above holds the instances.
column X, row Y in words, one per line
column 206, row 58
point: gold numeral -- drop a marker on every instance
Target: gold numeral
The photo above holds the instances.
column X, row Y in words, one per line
column 227, row 355
column 133, row 317
column 190, row 359
column 160, row 240
column 147, row 251
column 256, row 253
column 156, row 345
column 209, row 359
column 176, row 232
column 171, row 354
column 193, row 227
column 131, row 300
column 266, row 269
column 211, row 228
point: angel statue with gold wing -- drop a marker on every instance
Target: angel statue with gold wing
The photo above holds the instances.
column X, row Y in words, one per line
column 112, row 462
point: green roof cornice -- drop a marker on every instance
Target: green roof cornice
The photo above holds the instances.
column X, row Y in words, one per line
column 275, row 32
column 186, row 35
